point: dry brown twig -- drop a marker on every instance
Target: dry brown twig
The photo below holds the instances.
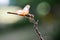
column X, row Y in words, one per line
column 31, row 18
column 25, row 12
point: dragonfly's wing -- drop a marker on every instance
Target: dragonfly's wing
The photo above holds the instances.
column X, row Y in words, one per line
column 19, row 11
column 27, row 7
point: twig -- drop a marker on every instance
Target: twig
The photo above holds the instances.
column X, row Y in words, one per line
column 37, row 31
column 31, row 18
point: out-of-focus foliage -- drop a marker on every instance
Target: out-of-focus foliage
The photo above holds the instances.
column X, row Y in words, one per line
column 19, row 28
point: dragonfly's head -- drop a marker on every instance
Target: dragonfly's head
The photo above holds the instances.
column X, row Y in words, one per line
column 27, row 7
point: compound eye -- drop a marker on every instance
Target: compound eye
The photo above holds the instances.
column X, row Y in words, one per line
column 27, row 7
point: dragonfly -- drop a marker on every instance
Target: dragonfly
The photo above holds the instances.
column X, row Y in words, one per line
column 23, row 12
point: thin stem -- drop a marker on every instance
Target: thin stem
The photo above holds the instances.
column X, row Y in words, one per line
column 35, row 26
column 37, row 31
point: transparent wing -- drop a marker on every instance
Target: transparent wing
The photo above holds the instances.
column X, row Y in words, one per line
column 19, row 11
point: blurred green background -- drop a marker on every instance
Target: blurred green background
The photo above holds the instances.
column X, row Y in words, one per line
column 13, row 27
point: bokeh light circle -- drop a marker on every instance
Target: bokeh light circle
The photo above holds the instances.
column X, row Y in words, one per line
column 43, row 8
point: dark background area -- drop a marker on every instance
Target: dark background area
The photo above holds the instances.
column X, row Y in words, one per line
column 13, row 27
